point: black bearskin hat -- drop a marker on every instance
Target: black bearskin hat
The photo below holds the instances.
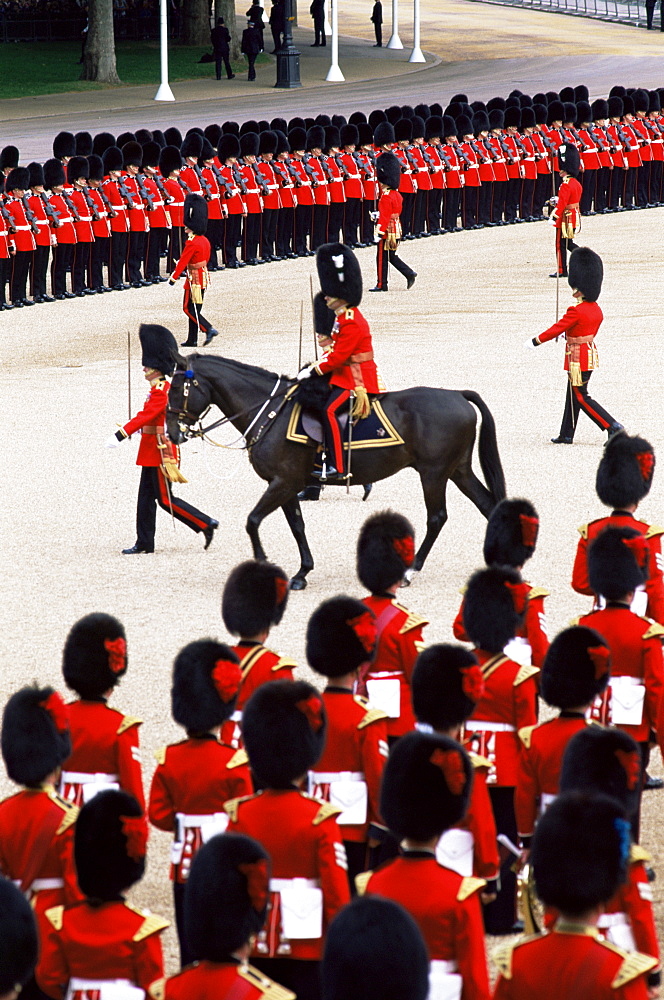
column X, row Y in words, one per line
column 283, row 145
column 109, row 845
column 323, row 316
column 625, row 471
column 315, row 138
column 297, row 122
column 581, row 93
column 628, row 105
column 580, row 852
column 385, row 550
column 376, row 117
column 489, row 616
column 357, row 118
column 195, row 214
column 464, row 125
column 403, row 130
column 583, row 113
column 227, row 896
column 212, row 133
column 512, row 117
column 339, row 273
column 101, row 143
column 568, row 159
column 541, row 113
column 600, row 109
column 132, row 154
column 437, row 109
column 192, row 145
column 570, row 113
column 19, row 178
column 297, row 138
column 556, row 112
column 95, row 167
column 576, row 668
column 249, row 144
column 480, row 122
column 349, row 135
column 207, row 152
column 617, row 91
column 586, row 270
column 341, row 636
column 374, row 950
column 158, row 137
column 64, row 145
column 365, row 134
column 206, row 681
column 654, row 102
column 19, row 945
column 496, row 103
column 170, row 159
column 83, row 143
column 426, row 786
column 418, row 127
column 95, row 655
column 151, row 154
column 112, row 159
column 332, row 137
column 496, row 118
column 36, row 174
column 159, row 348
column 566, row 94
column 173, row 136
column 143, row 135
column 228, row 147
column 249, row 126
column 323, row 120
column 77, row 167
column 9, row 157
column 641, row 100
column 606, row 761
column 446, row 685
column 434, row 127
column 528, row 118
column 279, row 125
column 268, row 142
column 459, row 98
column 254, row 598
column 617, row 562
column 124, row 138
column 384, row 134
column 388, row 170
column 511, row 533
column 284, row 728
column 422, row 111
column 54, row 174
column 393, row 113
column 35, row 735
column 615, row 107
column 450, row 126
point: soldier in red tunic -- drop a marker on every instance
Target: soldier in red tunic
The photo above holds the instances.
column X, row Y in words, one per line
column 139, row 226
column 510, row 540
column 509, row 703
column 284, row 730
column 580, row 854
column 566, row 214
column 194, row 259
column 341, row 639
column 105, row 744
column 253, row 602
column 624, row 478
column 385, row 554
column 158, row 202
column 446, row 686
column 375, row 950
column 197, row 776
column 78, row 172
column 19, row 943
column 575, row 671
column 116, row 192
column 226, row 902
column 157, row 457
column 580, row 325
column 388, row 223
column 104, row 946
column 170, row 165
column 425, row 791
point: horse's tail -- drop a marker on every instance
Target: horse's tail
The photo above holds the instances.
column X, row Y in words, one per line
column 490, row 463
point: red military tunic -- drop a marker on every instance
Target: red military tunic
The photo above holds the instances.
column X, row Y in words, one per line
column 22, row 237
column 190, row 786
column 400, row 642
column 479, row 822
column 304, row 194
column 99, row 943
column 219, row 981
column 390, row 206
column 151, row 421
column 508, row 704
column 636, row 656
column 159, row 214
column 83, row 218
column 258, row 665
column 351, row 343
column 266, row 170
column 533, row 625
column 654, row 585
column 566, row 212
column 580, row 325
column 336, row 181
column 119, row 221
column 571, row 962
column 138, row 216
column 539, row 766
column 194, row 257
column 355, row 754
column 105, row 749
column 65, row 232
column 446, row 908
column 302, row 838
column 101, row 227
column 176, row 205
column 36, row 205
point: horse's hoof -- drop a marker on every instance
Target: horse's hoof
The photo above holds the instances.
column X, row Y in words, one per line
column 367, row 490
column 297, row 583
column 408, row 577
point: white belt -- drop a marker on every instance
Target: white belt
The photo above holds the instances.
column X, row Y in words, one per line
column 108, row 989
column 65, row 218
column 489, row 727
column 193, row 820
column 84, row 218
column 613, row 920
column 21, row 229
column 212, row 197
column 279, row 884
column 251, row 191
column 623, row 679
column 41, row 884
column 445, row 966
column 325, row 777
column 86, row 777
column 94, row 984
column 380, row 674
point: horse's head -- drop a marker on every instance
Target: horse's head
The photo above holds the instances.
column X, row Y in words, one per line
column 188, row 399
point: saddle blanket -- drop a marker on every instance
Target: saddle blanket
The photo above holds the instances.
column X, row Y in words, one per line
column 375, row 431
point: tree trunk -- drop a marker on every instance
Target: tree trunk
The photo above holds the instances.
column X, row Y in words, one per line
column 226, row 9
column 196, row 22
column 99, row 54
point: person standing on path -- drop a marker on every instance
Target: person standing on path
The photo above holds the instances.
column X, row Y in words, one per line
column 220, row 38
column 251, row 46
column 277, row 24
column 377, row 19
column 317, row 11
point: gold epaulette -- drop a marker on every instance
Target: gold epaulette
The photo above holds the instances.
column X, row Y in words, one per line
column 54, row 916
column 583, row 531
column 412, row 621
column 349, row 314
column 284, row 663
column 325, row 812
column 152, row 923
column 653, row 531
column 637, row 853
column 160, row 755
column 269, row 989
column 372, row 715
column 232, row 806
column 468, row 886
column 238, row 759
column 634, row 965
column 127, row 722
column 654, row 630
column 525, row 735
column 478, row 761
column 535, row 592
column 502, row 957
column 362, row 881
column 157, row 989
column 462, row 591
column 361, row 701
column 70, row 811
column 524, row 674
column 420, row 646
column 574, row 622
column 159, row 383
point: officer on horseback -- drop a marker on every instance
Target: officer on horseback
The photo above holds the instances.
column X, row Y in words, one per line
column 350, row 360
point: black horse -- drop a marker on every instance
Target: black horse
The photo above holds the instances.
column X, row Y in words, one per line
column 437, row 427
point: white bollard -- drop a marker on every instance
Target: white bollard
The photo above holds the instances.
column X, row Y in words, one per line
column 334, row 74
column 416, row 55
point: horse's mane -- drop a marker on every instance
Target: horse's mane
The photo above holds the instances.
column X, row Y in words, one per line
column 212, row 361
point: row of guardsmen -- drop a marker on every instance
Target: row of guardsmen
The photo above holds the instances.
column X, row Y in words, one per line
column 284, row 801
column 108, row 209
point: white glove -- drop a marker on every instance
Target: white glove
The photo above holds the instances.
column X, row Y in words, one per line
column 112, row 442
column 552, row 220
column 305, row 373
column 373, row 216
column 529, row 346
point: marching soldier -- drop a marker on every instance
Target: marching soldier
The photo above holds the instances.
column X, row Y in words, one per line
column 580, row 325
column 197, row 776
column 194, row 259
column 157, row 457
column 22, row 235
column 388, row 223
column 565, row 216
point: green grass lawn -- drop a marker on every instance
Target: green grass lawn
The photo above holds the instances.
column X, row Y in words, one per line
column 32, row 68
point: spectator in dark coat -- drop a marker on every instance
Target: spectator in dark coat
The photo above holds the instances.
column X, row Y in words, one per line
column 277, row 24
column 317, row 11
column 221, row 40
column 255, row 14
column 377, row 18
column 251, row 46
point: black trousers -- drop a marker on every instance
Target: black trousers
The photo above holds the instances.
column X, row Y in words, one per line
column 319, row 31
column 512, row 197
column 5, row 270
column 352, row 213
column 602, row 188
column 194, row 313
column 186, row 956
column 616, row 186
column 484, row 203
column 38, row 271
column 153, row 489
column 319, row 226
column 231, row 236
column 251, row 59
column 469, row 202
column 577, row 398
column 588, row 187
column 99, row 255
column 175, row 244
column 655, row 193
column 500, row 915
column 118, row 257
column 135, row 255
column 420, row 212
column 451, row 201
column 302, row 227
column 269, row 231
column 285, row 224
column 543, row 191
column 63, row 254
column 335, row 221
column 155, row 242
column 629, row 189
column 378, row 30
column 220, row 57
column 302, row 978
column 81, row 267
column 20, row 268
column 434, row 202
column 215, row 234
column 527, row 197
column 643, row 184
column 251, row 236
column 407, row 212
column 384, row 257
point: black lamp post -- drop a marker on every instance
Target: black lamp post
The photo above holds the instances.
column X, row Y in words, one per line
column 288, row 57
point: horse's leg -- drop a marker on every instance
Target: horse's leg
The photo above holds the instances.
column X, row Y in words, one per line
column 296, row 524
column 434, row 486
column 278, row 493
column 466, row 480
